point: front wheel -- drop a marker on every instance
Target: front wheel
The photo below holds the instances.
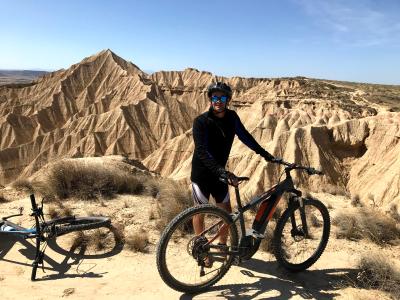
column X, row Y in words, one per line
column 301, row 234
column 191, row 263
column 61, row 226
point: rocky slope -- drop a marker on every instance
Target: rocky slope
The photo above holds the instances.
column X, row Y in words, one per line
column 105, row 105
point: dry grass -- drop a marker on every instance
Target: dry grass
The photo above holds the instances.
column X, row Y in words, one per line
column 356, row 201
column 377, row 272
column 152, row 186
column 394, row 213
column 59, row 210
column 3, row 199
column 334, row 190
column 173, row 199
column 101, row 239
column 23, row 185
column 152, row 214
column 137, row 241
column 75, row 179
column 366, row 223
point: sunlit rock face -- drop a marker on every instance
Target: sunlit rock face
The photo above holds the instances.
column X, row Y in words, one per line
column 105, row 105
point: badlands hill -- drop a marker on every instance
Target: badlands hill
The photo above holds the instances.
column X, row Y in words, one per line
column 105, row 105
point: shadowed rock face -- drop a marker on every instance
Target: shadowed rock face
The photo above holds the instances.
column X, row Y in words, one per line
column 105, row 105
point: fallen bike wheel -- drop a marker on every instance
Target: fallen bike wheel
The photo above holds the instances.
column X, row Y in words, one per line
column 70, row 224
column 299, row 241
column 190, row 263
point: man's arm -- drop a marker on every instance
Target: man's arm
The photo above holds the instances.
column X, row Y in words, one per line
column 200, row 144
column 248, row 139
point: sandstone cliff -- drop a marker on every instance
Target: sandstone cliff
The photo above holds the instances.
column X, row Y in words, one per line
column 105, row 105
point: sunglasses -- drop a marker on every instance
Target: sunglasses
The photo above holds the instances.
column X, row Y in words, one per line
column 223, row 99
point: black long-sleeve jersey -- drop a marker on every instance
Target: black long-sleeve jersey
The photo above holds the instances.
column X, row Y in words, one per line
column 213, row 138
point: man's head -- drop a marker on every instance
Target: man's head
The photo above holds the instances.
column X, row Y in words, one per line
column 219, row 94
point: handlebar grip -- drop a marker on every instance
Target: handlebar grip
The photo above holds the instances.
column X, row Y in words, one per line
column 33, row 202
column 243, row 178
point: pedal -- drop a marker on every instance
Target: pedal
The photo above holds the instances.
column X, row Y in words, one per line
column 255, row 234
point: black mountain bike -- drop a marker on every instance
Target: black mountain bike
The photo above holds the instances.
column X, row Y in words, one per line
column 191, row 263
column 44, row 231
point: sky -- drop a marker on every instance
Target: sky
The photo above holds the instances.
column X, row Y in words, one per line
column 330, row 39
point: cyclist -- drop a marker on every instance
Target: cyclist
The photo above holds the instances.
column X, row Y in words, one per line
column 213, row 134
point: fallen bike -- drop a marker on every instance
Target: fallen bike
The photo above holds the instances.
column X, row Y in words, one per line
column 44, row 231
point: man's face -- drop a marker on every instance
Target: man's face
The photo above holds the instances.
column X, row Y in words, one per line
column 218, row 106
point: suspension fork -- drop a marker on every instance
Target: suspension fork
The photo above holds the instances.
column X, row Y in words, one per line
column 302, row 216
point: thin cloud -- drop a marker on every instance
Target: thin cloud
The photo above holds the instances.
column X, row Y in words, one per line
column 355, row 23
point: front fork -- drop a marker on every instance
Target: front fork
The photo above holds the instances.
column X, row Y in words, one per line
column 303, row 231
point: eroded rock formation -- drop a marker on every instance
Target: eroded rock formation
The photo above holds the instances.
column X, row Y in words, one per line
column 105, row 105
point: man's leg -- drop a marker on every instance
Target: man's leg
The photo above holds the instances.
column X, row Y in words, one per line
column 200, row 196
column 220, row 192
column 224, row 232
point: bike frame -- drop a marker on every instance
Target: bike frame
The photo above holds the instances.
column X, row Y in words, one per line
column 268, row 202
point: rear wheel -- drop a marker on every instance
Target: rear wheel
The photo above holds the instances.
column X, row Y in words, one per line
column 301, row 235
column 184, row 258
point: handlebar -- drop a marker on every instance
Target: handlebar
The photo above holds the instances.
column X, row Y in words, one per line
column 229, row 179
column 293, row 166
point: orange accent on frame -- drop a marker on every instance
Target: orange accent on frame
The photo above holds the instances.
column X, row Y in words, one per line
column 273, row 210
column 261, row 210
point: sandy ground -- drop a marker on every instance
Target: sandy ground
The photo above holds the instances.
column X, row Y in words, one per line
column 122, row 274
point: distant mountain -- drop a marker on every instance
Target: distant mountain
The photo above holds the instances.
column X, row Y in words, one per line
column 19, row 76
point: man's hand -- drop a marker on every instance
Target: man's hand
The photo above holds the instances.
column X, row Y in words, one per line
column 267, row 156
column 227, row 177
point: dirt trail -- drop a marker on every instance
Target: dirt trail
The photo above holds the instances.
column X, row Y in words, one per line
column 127, row 275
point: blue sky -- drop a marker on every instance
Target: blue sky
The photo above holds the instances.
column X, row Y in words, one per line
column 342, row 40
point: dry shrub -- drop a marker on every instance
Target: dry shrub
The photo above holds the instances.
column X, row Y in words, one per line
column 376, row 272
column 23, row 185
column 118, row 229
column 59, row 210
column 334, row 190
column 99, row 239
column 53, row 212
column 152, row 186
column 3, row 199
column 393, row 212
column 313, row 220
column 137, row 241
column 173, row 199
column 366, row 223
column 356, row 201
column 76, row 179
column 80, row 240
column 152, row 214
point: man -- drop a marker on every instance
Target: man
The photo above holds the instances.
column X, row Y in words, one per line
column 213, row 134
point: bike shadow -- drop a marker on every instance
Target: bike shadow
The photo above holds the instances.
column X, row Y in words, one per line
column 281, row 284
column 71, row 257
